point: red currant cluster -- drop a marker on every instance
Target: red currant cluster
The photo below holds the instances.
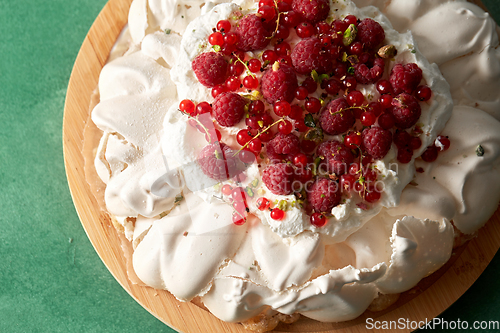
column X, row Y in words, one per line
column 277, row 214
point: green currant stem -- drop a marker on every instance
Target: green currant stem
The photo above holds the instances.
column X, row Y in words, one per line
column 258, row 134
column 246, row 67
column 277, row 21
column 362, row 107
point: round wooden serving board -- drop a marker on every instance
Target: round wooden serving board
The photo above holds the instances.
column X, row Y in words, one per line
column 427, row 300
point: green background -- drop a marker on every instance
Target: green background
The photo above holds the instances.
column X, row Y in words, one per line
column 51, row 279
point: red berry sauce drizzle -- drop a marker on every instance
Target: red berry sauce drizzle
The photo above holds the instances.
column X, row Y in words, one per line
column 304, row 116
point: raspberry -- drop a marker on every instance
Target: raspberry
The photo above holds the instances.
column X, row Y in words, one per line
column 338, row 157
column 283, row 145
column 406, row 110
column 312, row 10
column 251, row 33
column 310, row 54
column 278, row 178
column 279, row 84
column 377, row 142
column 405, row 78
column 337, row 117
column 323, row 195
column 228, row 108
column 217, row 161
column 366, row 75
column 370, row 33
column 210, row 68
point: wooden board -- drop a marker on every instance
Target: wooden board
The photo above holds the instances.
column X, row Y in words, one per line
column 431, row 297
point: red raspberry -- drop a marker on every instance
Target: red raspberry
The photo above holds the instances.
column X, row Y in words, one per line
column 377, row 142
column 279, row 84
column 370, row 33
column 251, row 33
column 366, row 75
column 228, row 108
column 337, row 117
column 323, row 195
column 338, row 157
column 278, row 178
column 405, row 78
column 312, row 10
column 210, row 68
column 310, row 54
column 217, row 161
column 406, row 110
column 283, row 145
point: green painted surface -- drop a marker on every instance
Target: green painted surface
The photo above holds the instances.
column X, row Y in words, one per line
column 51, row 279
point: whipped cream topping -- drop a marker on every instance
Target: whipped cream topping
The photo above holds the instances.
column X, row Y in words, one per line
column 147, row 158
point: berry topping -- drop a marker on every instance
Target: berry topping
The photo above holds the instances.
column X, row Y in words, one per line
column 323, row 195
column 210, row 68
column 279, row 84
column 312, row 10
column 310, row 54
column 278, row 178
column 405, row 78
column 370, row 33
column 377, row 142
column 337, row 157
column 406, row 110
column 284, row 144
column 369, row 72
column 252, row 35
column 336, row 117
column 228, row 108
column 217, row 161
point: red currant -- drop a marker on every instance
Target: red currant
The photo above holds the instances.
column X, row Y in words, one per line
column 282, row 108
column 384, row 87
column 256, row 107
column 269, row 56
column 216, row 38
column 312, row 105
column 301, row 93
column 445, row 142
column 351, row 19
column 250, row 82
column 238, row 219
column 217, row 90
column 226, row 189
column 300, row 160
column 224, row 26
column 255, row 145
column 285, row 127
column 254, row 65
column 282, row 32
column 230, row 38
column 318, row 220
column 430, row 154
column 282, row 49
column 353, row 140
column 386, row 121
column 355, row 98
column 243, row 137
column 277, row 214
column 305, row 30
column 186, row 106
column 263, row 204
column 423, row 93
column 233, row 83
column 203, row 107
column 246, row 156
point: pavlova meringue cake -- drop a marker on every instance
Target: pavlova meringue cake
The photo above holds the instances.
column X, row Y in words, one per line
column 300, row 157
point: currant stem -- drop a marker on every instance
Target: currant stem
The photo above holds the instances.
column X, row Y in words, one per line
column 258, row 134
